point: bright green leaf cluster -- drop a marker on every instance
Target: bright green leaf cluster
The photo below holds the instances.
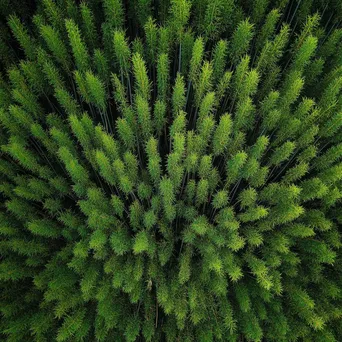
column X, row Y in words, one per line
column 171, row 171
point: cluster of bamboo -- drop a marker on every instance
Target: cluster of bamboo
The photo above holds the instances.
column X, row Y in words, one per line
column 172, row 172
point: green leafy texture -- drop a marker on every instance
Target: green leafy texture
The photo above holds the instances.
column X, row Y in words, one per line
column 170, row 171
column 144, row 116
column 178, row 95
column 154, row 160
column 122, row 51
column 203, row 83
column 179, row 14
column 168, row 197
column 282, row 153
column 217, row 14
column 234, row 166
column 89, row 25
column 114, row 13
column 143, row 11
column 21, row 34
column 151, row 33
column 220, row 199
column 101, row 65
column 219, row 59
column 163, row 76
column 271, row 51
column 241, row 40
column 222, row 134
column 196, row 59
column 55, row 44
column 79, row 49
column 141, row 243
column 268, row 28
column 140, row 74
column 96, row 90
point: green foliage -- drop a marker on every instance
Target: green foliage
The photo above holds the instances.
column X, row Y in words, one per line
column 122, row 51
column 79, row 48
column 171, row 171
column 21, row 34
column 114, row 13
column 241, row 40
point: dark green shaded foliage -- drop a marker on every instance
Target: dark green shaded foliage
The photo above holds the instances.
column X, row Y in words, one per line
column 171, row 171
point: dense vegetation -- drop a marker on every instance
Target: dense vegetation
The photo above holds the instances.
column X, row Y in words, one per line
column 171, row 171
